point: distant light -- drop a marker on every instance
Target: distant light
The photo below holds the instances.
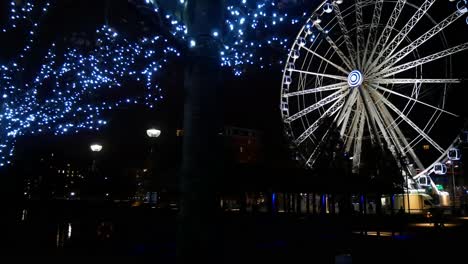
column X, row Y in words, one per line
column 215, row 33
column 193, row 43
column 96, row 147
column 72, row 194
column 69, row 230
column 153, row 132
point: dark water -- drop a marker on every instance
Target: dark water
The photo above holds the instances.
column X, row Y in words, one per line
column 79, row 229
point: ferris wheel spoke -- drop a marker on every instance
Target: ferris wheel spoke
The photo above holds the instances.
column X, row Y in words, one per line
column 415, row 81
column 386, row 33
column 398, row 137
column 311, row 129
column 348, row 106
column 414, row 100
column 335, row 47
column 325, row 59
column 331, row 98
column 409, row 122
column 428, row 127
column 396, row 41
column 418, row 42
column 330, row 87
column 313, row 156
column 392, row 71
column 337, row 77
column 359, row 32
column 371, row 38
column 375, row 120
column 345, row 33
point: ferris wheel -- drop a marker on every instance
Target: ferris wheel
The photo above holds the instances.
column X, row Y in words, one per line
column 388, row 73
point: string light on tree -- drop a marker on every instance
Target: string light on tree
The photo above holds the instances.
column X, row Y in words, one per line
column 70, row 93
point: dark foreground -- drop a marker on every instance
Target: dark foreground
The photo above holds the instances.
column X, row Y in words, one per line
column 74, row 230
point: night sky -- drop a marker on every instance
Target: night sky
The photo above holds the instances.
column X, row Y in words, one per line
column 249, row 101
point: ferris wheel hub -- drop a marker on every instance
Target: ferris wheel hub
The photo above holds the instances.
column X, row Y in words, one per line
column 355, row 78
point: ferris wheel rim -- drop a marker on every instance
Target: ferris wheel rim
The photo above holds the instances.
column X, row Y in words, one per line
column 374, row 75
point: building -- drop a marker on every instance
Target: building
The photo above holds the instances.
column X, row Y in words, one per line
column 50, row 179
column 243, row 145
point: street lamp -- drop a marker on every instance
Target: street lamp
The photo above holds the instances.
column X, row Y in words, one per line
column 96, row 147
column 153, row 132
column 453, row 155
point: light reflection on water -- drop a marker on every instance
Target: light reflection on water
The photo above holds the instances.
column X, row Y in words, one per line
column 64, row 233
column 24, row 214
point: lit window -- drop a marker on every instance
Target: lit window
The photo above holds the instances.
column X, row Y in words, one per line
column 426, row 147
column 179, row 132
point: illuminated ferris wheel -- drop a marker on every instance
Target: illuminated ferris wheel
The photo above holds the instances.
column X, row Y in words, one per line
column 387, row 73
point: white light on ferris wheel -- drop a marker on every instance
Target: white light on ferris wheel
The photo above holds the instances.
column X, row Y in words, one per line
column 453, row 154
column 440, row 169
column 462, row 6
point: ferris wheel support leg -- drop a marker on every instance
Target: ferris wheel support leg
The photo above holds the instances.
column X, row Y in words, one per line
column 358, row 143
column 374, row 120
column 381, row 124
column 398, row 136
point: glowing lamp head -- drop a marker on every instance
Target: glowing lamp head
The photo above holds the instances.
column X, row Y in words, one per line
column 153, row 132
column 96, row 147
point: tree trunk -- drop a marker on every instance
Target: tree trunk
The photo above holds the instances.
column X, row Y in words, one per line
column 197, row 240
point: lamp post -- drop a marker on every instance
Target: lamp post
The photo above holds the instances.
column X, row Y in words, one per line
column 93, row 180
column 452, row 170
column 453, row 155
column 153, row 133
column 453, row 183
column 95, row 148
